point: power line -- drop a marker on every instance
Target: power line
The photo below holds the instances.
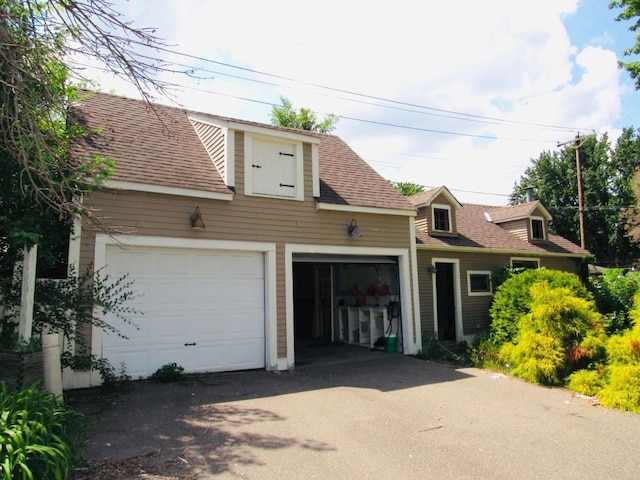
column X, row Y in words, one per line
column 371, row 97
column 191, row 72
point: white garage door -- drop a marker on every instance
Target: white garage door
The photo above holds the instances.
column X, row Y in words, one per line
column 202, row 309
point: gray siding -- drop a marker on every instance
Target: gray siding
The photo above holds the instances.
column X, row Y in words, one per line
column 475, row 309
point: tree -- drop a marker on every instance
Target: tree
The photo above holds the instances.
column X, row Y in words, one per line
column 630, row 11
column 607, row 194
column 303, row 118
column 38, row 40
column 408, row 189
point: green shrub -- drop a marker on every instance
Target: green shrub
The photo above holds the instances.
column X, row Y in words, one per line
column 586, row 382
column 512, row 299
column 40, row 438
column 560, row 334
column 171, row 372
column 623, row 390
column 483, row 353
column 614, row 293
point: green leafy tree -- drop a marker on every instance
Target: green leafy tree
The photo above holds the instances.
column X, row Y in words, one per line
column 303, row 118
column 614, row 291
column 630, row 12
column 408, row 188
column 39, row 180
column 607, row 194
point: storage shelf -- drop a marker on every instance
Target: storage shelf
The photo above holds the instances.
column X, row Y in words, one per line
column 362, row 325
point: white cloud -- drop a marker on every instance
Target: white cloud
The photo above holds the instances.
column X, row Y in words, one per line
column 495, row 58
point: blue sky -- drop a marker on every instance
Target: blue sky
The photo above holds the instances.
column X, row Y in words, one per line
column 463, row 97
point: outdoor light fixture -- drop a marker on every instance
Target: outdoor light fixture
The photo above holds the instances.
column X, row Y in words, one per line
column 431, row 269
column 196, row 220
column 352, row 228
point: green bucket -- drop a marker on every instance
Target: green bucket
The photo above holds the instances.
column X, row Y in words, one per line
column 391, row 344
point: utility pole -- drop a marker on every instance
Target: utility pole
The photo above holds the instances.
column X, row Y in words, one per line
column 576, row 145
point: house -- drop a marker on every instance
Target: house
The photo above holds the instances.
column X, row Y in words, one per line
column 245, row 242
column 459, row 247
column 240, row 239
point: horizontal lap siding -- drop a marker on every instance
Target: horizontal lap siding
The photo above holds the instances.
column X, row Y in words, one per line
column 245, row 218
column 475, row 309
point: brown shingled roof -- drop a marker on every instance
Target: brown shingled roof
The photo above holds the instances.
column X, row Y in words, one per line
column 514, row 212
column 346, row 179
column 475, row 231
column 159, row 146
column 425, row 198
column 155, row 146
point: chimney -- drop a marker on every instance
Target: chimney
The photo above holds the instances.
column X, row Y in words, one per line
column 529, row 194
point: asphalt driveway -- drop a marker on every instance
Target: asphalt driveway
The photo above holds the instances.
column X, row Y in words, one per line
column 372, row 416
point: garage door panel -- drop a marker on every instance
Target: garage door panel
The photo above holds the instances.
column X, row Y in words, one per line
column 212, row 298
column 237, row 358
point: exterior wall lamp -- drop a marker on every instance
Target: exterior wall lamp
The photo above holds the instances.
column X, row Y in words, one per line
column 432, row 269
column 352, row 228
column 196, row 220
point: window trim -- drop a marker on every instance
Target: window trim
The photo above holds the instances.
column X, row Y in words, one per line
column 544, row 229
column 524, row 259
column 479, row 293
column 248, row 178
column 438, row 206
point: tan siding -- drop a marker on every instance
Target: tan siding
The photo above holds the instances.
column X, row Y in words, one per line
column 519, row 228
column 422, row 221
column 212, row 137
column 247, row 218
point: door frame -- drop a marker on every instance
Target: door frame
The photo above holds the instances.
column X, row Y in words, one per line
column 410, row 313
column 457, row 295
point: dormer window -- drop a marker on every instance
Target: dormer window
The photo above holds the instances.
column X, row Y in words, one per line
column 442, row 218
column 537, row 229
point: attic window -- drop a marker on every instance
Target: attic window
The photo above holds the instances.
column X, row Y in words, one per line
column 273, row 167
column 442, row 218
column 537, row 229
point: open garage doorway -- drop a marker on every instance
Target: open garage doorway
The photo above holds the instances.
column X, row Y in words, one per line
column 341, row 302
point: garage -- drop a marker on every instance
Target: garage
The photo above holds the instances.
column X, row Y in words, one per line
column 203, row 309
column 337, row 294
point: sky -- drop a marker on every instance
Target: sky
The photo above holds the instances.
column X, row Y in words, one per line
column 463, row 94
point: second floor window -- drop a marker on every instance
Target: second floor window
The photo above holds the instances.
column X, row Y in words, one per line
column 441, row 220
column 537, row 229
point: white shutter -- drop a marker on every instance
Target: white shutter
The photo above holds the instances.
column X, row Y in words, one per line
column 274, row 169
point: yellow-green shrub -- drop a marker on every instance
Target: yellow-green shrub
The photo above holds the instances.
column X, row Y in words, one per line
column 586, row 382
column 512, row 299
column 560, row 334
column 623, row 389
column 536, row 357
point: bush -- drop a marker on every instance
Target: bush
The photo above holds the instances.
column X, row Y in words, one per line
column 39, row 436
column 512, row 299
column 483, row 353
column 560, row 334
column 535, row 358
column 69, row 306
column 623, row 389
column 171, row 372
column 586, row 382
column 614, row 293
